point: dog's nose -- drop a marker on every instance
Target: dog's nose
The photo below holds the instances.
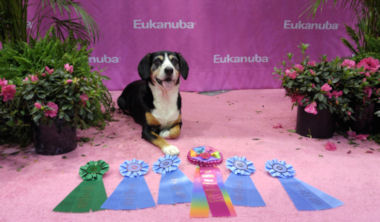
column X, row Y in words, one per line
column 168, row 71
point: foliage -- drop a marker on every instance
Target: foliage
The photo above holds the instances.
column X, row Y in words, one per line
column 366, row 34
column 45, row 72
column 66, row 16
column 338, row 85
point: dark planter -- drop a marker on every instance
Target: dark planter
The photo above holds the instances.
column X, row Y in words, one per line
column 56, row 138
column 364, row 119
column 376, row 121
column 321, row 125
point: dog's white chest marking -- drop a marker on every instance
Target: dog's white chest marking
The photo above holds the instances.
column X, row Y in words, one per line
column 165, row 103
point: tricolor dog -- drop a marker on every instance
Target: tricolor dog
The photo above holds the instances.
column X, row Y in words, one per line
column 154, row 101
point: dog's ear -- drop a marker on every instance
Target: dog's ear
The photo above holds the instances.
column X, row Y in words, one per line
column 144, row 67
column 183, row 67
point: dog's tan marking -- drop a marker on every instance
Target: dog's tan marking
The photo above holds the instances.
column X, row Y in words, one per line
column 160, row 57
column 151, row 120
column 171, row 56
column 159, row 141
column 175, row 131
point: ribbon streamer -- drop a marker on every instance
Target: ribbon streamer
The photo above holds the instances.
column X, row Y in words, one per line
column 209, row 193
column 90, row 193
column 304, row 196
column 175, row 187
column 239, row 185
column 132, row 192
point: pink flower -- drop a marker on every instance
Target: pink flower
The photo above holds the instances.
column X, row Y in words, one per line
column 277, row 126
column 69, row 81
column 48, row 70
column 361, row 136
column 313, row 85
column 311, row 108
column 369, row 64
column 52, row 111
column 349, row 113
column 298, row 67
column 312, row 63
column 312, row 72
column 291, row 73
column 43, row 74
column 69, row 68
column 84, row 98
column 326, row 87
column 33, row 78
column 26, row 79
column 37, row 105
column 3, row 82
column 348, row 63
column 337, row 93
column 368, row 91
column 8, row 92
column 297, row 98
column 330, row 146
column 351, row 134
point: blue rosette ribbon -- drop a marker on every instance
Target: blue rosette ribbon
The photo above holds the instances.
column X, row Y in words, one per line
column 175, row 187
column 304, row 196
column 132, row 192
column 239, row 185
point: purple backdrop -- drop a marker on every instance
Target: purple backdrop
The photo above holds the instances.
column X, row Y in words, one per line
column 230, row 44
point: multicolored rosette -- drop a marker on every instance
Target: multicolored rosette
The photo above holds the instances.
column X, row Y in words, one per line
column 239, row 185
column 175, row 187
column 304, row 196
column 209, row 193
column 132, row 192
column 204, row 156
column 90, row 193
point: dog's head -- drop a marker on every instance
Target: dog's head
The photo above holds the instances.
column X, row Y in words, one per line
column 163, row 68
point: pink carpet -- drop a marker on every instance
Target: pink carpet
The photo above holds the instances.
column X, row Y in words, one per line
column 237, row 123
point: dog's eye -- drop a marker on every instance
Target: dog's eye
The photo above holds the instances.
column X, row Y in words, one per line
column 174, row 61
column 157, row 62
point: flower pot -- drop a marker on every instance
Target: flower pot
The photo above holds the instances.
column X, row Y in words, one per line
column 376, row 121
column 321, row 125
column 56, row 138
column 364, row 119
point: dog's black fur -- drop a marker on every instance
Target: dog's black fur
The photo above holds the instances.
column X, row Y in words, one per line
column 159, row 72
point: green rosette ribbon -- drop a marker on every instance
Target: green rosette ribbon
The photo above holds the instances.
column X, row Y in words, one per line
column 88, row 195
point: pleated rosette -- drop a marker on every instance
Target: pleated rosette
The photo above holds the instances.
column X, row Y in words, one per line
column 90, row 193
column 239, row 185
column 175, row 187
column 132, row 192
column 209, row 193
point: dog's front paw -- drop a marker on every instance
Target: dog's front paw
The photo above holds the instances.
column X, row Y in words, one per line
column 170, row 150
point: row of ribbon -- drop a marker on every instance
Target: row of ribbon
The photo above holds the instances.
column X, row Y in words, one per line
column 207, row 193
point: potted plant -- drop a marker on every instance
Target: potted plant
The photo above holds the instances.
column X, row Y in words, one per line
column 66, row 16
column 318, row 93
column 49, row 85
column 361, row 79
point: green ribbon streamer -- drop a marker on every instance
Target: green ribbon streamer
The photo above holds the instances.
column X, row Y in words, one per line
column 90, row 193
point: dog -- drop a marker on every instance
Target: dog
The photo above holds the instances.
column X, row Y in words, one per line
column 154, row 102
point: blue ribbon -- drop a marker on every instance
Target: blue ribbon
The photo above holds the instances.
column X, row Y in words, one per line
column 243, row 191
column 175, row 187
column 304, row 196
column 132, row 192
column 239, row 185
